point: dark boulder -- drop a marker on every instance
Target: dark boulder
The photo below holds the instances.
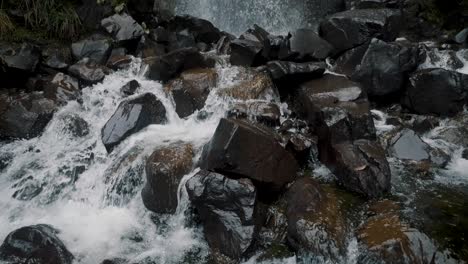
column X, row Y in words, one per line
column 191, row 89
column 246, row 52
column 249, row 151
column 361, row 166
column 201, row 30
column 88, row 72
column 132, row 116
column 58, row 58
column 349, row 60
column 315, row 222
column 285, row 72
column 164, row 171
column 384, row 68
column 336, row 106
column 130, row 88
column 24, row 115
column 352, row 28
column 97, row 47
column 436, row 91
column 119, row 62
column 122, row 27
column 91, row 12
column 305, row 45
column 165, row 67
column 149, row 48
column 62, row 89
column 25, row 57
column 461, row 37
column 366, row 4
column 228, row 209
column 17, row 62
column 35, row 244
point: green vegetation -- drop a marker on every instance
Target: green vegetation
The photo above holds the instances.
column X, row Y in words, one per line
column 52, row 19
column 447, row 14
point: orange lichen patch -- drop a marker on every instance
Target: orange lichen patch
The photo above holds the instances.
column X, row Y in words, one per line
column 256, row 88
column 198, row 78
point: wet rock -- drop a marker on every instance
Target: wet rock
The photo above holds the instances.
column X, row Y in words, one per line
column 436, row 91
column 391, row 240
column 62, row 89
column 352, row 28
column 305, row 44
column 409, row 146
column 246, row 52
column 165, row 67
column 149, row 48
column 315, row 222
column 35, row 244
column 24, row 58
column 191, row 89
column 92, row 12
column 75, row 125
column 224, row 45
column 5, row 160
column 130, row 88
column 58, row 58
column 24, row 115
column 465, row 154
column 201, row 30
column 337, row 107
column 115, row 261
column 97, row 47
column 119, row 62
column 349, row 60
column 366, row 4
column 264, row 112
column 304, row 148
column 122, row 27
column 256, row 86
column 361, row 166
column 164, row 171
column 461, row 37
column 160, row 35
column 227, row 208
column 285, row 72
column 87, row 71
column 425, row 125
column 384, row 67
column 130, row 117
column 250, row 151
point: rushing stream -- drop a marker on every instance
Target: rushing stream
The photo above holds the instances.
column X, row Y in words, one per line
column 94, row 198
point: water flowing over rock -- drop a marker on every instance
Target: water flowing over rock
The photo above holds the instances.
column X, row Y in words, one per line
column 87, row 71
column 256, row 85
column 436, row 91
column 228, row 211
column 164, row 171
column 267, row 113
column 24, row 115
column 190, row 90
column 249, row 151
column 35, row 244
column 130, row 117
column 352, row 28
column 62, row 89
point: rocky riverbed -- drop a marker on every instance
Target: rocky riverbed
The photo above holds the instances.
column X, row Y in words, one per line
column 161, row 138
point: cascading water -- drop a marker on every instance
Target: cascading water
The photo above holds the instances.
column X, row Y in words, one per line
column 276, row 16
column 93, row 197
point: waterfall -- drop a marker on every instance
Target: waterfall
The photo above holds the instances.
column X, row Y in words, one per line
column 276, row 16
